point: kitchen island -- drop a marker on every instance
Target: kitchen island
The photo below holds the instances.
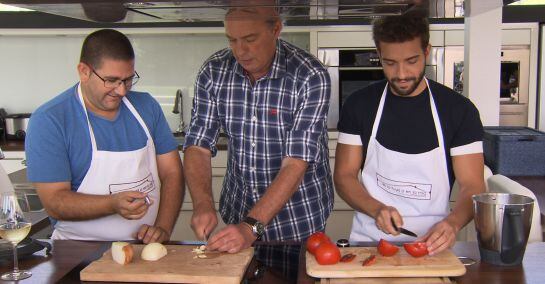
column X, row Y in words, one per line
column 274, row 262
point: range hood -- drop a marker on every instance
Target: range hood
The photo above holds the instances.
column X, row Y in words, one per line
column 214, row 10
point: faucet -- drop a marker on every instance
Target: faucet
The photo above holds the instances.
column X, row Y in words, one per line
column 179, row 109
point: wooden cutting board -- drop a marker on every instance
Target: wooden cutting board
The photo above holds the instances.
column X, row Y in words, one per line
column 178, row 266
column 444, row 264
column 387, row 280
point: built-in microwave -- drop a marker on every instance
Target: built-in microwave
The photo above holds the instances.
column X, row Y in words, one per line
column 514, row 81
column 354, row 69
column 357, row 69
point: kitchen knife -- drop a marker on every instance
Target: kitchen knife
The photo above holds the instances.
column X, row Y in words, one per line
column 403, row 231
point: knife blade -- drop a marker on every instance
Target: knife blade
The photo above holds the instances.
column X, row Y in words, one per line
column 407, row 232
column 403, row 230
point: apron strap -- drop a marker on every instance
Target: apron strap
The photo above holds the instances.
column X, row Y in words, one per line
column 137, row 116
column 376, row 122
column 91, row 133
column 129, row 106
column 436, row 121
column 434, row 113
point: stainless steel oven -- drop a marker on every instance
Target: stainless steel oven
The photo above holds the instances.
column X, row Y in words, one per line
column 353, row 69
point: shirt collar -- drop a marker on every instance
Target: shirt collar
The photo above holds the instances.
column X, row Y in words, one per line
column 278, row 67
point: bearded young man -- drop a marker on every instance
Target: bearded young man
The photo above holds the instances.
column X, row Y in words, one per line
column 409, row 138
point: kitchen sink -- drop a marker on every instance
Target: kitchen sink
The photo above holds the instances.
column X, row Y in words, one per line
column 26, row 193
column 28, row 198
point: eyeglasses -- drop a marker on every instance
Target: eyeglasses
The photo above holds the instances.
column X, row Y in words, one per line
column 114, row 83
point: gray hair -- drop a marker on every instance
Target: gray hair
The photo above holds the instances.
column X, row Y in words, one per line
column 271, row 20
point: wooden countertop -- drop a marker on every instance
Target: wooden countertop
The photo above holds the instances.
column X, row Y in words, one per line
column 12, row 145
column 68, row 258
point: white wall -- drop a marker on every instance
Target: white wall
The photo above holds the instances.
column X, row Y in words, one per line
column 482, row 49
column 35, row 68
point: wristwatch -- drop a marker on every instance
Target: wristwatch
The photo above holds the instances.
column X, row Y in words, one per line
column 258, row 229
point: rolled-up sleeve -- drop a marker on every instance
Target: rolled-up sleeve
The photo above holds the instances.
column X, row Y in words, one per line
column 204, row 127
column 310, row 120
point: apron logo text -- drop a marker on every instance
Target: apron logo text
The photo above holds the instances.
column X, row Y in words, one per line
column 144, row 185
column 405, row 189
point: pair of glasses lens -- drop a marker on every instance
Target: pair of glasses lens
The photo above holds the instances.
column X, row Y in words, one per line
column 112, row 84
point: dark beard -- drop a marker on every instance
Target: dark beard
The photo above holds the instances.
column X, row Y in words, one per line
column 408, row 92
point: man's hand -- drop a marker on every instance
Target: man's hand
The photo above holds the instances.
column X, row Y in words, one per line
column 440, row 237
column 152, row 234
column 232, row 239
column 384, row 217
column 130, row 204
column 204, row 219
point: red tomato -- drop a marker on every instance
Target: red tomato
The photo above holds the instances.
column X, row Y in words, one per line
column 327, row 253
column 369, row 261
column 386, row 248
column 348, row 257
column 416, row 249
column 315, row 240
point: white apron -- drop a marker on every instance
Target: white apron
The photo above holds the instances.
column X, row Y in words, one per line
column 109, row 173
column 417, row 185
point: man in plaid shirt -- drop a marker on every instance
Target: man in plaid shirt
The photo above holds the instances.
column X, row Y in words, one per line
column 271, row 99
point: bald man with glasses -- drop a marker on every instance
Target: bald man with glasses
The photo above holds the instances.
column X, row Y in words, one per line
column 102, row 157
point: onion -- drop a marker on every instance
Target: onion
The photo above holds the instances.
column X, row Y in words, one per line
column 122, row 252
column 153, row 251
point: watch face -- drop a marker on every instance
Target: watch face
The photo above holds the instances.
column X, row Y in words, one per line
column 259, row 228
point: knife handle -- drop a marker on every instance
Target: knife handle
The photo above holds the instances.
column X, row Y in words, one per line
column 394, row 224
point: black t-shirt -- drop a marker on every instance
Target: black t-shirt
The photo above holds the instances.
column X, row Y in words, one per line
column 407, row 123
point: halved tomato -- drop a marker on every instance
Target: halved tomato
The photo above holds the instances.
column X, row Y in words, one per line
column 386, row 248
column 327, row 253
column 416, row 249
column 315, row 240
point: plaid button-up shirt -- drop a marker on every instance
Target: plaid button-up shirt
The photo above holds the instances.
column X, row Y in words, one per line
column 283, row 114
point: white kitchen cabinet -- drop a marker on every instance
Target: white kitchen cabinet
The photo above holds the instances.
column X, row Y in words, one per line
column 182, row 229
column 339, row 224
column 509, row 36
column 359, row 39
column 345, row 39
column 514, row 115
column 219, row 167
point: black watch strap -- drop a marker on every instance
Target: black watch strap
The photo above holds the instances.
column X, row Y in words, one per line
column 258, row 229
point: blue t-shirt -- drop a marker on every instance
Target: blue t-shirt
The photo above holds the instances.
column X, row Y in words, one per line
column 58, row 145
